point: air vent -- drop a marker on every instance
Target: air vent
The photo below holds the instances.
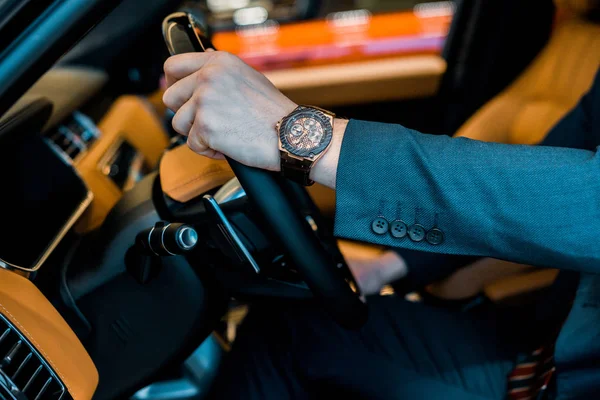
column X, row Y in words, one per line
column 24, row 374
column 75, row 135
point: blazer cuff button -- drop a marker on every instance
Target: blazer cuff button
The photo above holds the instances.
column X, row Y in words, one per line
column 398, row 229
column 435, row 236
column 380, row 225
column 416, row 233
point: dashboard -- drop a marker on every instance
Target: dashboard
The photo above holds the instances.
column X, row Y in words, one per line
column 62, row 169
column 43, row 197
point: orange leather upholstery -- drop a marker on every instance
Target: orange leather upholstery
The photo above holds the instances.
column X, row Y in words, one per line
column 185, row 174
column 578, row 6
column 324, row 198
column 30, row 312
column 131, row 119
column 545, row 92
column 523, row 114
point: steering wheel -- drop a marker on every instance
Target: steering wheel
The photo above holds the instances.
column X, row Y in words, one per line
column 332, row 284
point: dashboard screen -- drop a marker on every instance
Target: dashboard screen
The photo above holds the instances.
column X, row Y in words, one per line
column 41, row 193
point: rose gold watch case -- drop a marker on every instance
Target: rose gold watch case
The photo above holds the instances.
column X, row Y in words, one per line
column 304, row 114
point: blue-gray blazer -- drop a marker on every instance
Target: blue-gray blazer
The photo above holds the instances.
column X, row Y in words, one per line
column 538, row 205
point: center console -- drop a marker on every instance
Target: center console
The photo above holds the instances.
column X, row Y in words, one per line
column 113, row 156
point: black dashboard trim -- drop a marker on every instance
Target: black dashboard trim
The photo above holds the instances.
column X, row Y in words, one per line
column 31, row 119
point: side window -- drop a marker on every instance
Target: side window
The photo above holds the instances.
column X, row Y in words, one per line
column 16, row 16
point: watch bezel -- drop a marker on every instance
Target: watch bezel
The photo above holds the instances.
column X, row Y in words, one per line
column 305, row 112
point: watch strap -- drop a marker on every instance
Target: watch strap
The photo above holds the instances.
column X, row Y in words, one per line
column 295, row 169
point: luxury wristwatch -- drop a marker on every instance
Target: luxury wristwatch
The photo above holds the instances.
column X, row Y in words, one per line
column 304, row 136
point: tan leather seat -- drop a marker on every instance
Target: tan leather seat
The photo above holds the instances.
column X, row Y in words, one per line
column 526, row 111
column 523, row 114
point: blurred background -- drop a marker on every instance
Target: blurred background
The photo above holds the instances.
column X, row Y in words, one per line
column 273, row 34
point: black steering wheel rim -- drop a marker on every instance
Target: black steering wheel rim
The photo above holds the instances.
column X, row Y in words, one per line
column 332, row 285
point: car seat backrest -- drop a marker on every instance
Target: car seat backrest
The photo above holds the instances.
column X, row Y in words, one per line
column 551, row 86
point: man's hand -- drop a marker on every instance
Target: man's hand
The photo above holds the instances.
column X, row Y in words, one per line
column 225, row 107
column 372, row 266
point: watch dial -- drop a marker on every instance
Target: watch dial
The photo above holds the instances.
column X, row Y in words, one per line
column 306, row 133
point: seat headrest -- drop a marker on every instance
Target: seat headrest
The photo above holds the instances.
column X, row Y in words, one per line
column 579, row 6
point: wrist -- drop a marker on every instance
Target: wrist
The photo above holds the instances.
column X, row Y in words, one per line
column 324, row 170
column 286, row 109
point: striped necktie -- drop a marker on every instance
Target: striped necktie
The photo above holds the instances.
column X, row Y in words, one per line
column 532, row 374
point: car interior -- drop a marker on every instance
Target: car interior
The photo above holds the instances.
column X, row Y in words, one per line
column 139, row 258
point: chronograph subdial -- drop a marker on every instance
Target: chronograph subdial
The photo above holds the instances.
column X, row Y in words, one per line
column 305, row 133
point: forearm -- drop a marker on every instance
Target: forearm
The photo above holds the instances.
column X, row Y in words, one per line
column 422, row 268
column 408, row 269
column 536, row 205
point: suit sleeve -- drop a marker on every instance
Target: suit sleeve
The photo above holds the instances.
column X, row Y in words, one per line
column 538, row 205
column 573, row 131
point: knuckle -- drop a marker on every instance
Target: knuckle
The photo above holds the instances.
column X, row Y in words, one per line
column 220, row 60
column 206, row 93
column 170, row 65
column 168, row 98
column 194, row 144
column 200, row 124
column 212, row 72
column 199, row 77
column 228, row 57
column 178, row 126
column 175, row 126
column 196, row 99
column 222, row 56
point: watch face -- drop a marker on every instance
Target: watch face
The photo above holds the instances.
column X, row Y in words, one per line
column 306, row 132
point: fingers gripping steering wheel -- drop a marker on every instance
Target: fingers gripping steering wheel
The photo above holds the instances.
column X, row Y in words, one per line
column 330, row 283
